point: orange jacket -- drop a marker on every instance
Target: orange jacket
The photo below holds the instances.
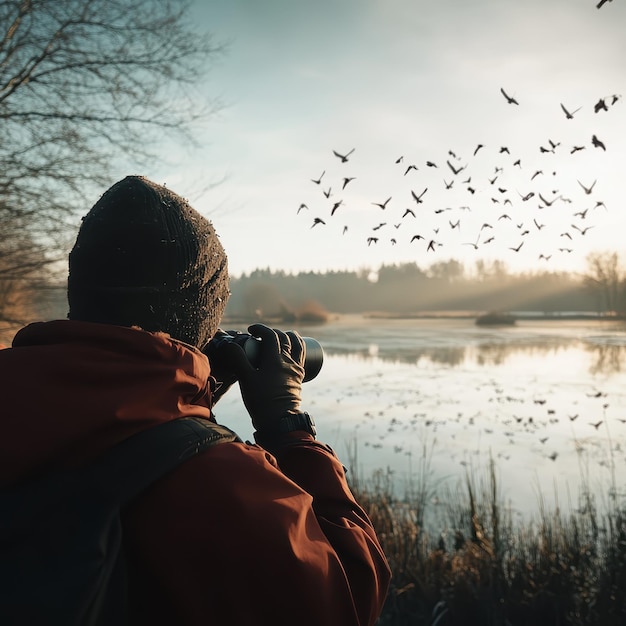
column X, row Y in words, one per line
column 238, row 534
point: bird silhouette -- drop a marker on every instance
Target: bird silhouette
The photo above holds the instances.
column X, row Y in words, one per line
column 327, row 192
column 568, row 115
column 576, row 149
column 448, row 184
column 382, row 205
column 455, row 170
column 478, row 147
column 526, row 197
column 408, row 169
column 548, row 202
column 601, row 3
column 371, row 240
column 509, row 99
column 431, row 245
column 318, row 220
column 379, row 226
column 597, row 143
column 417, row 198
column 416, row 237
column 335, row 207
column 408, row 212
column 582, row 231
column 588, row 190
column 318, row 181
column 343, row 157
column 517, row 249
column 431, row 164
column 596, row 425
column 346, row 181
column 454, row 225
column 302, row 206
column 600, row 105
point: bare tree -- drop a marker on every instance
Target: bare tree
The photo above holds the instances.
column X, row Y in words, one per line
column 84, row 85
column 605, row 277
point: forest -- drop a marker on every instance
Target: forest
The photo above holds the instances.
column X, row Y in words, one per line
column 408, row 289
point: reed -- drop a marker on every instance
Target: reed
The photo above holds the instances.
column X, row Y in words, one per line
column 472, row 564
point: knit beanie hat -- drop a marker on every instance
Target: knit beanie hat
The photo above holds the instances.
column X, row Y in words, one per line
column 144, row 257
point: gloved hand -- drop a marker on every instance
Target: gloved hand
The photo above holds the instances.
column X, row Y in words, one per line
column 220, row 361
column 272, row 388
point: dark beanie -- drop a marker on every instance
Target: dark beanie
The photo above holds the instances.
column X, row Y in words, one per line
column 144, row 257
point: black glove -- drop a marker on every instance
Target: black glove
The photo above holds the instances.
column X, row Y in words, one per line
column 272, row 388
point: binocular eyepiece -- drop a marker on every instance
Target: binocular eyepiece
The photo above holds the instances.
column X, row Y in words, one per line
column 313, row 351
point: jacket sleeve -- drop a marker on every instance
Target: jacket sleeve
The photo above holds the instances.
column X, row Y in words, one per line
column 237, row 535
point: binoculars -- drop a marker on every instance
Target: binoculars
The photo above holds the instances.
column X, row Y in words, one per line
column 313, row 352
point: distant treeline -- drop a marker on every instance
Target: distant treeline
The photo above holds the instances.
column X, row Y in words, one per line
column 409, row 289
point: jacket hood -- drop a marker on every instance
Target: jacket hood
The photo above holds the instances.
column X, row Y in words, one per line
column 71, row 390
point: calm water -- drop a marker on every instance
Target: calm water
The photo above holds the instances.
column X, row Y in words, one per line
column 438, row 398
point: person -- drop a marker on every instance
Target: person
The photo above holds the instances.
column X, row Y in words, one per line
column 243, row 533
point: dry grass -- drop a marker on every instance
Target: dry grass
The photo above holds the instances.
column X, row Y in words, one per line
column 480, row 568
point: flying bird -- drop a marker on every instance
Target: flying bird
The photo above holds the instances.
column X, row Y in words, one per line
column 408, row 169
column 408, row 212
column 478, row 147
column 582, row 231
column 318, row 181
column 346, row 181
column 517, row 249
column 335, row 207
column 597, row 143
column 568, row 115
column 417, row 198
column 302, row 206
column 455, row 170
column 318, row 220
column 431, row 245
column 599, row 5
column 371, row 240
column 509, row 99
column 430, row 164
column 576, row 149
column 382, row 205
column 418, row 237
column 600, row 105
column 588, row 190
column 343, row 157
column 548, row 202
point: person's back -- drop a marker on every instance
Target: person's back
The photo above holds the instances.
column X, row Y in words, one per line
column 242, row 533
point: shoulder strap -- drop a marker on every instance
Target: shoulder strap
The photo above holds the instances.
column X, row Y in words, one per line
column 135, row 463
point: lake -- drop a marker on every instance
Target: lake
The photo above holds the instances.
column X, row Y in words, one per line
column 437, row 398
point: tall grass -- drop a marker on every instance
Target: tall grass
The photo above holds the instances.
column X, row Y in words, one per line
column 474, row 565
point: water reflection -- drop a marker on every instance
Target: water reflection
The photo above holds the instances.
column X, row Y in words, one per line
column 606, row 359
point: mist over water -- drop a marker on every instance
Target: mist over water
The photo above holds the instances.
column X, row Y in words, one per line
column 438, row 398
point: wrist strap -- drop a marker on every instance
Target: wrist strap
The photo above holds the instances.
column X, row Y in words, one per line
column 296, row 421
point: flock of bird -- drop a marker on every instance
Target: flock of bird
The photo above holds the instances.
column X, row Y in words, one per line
column 503, row 196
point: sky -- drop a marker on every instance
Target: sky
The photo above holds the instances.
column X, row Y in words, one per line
column 402, row 83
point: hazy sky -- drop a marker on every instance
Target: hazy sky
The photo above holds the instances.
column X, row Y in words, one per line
column 418, row 80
